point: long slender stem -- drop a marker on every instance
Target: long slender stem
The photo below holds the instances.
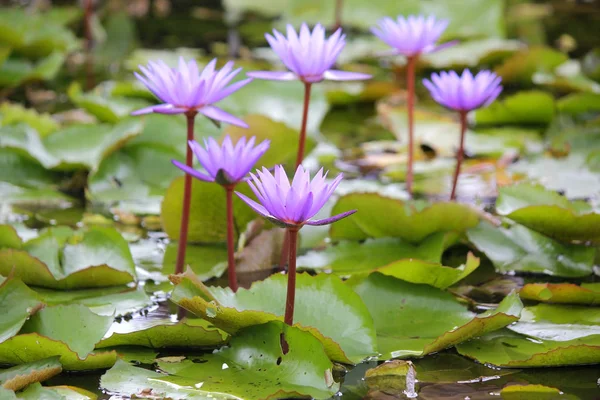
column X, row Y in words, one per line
column 187, row 197
column 291, row 288
column 460, row 153
column 89, row 61
column 233, row 284
column 338, row 14
column 410, row 85
column 300, row 156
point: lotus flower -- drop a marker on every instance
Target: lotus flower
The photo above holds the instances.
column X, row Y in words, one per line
column 292, row 204
column 226, row 164
column 413, row 35
column 309, row 56
column 187, row 90
column 464, row 92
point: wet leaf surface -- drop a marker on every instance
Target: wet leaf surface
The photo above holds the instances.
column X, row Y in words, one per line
column 414, row 320
column 18, row 377
column 567, row 293
column 17, row 304
column 338, row 305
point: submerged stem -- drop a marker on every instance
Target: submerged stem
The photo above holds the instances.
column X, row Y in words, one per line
column 89, row 60
column 233, row 284
column 302, row 142
column 187, row 197
column 291, row 288
column 410, row 86
column 460, row 153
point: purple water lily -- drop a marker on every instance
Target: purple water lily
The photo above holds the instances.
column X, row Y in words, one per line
column 226, row 165
column 411, row 37
column 309, row 56
column 292, row 205
column 187, row 90
column 463, row 93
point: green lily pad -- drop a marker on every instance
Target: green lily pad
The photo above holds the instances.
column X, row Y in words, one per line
column 523, row 65
column 85, row 146
column 16, row 71
column 527, row 107
column 207, row 212
column 284, row 140
column 18, row 377
column 103, row 106
column 44, row 198
column 471, row 53
column 206, row 261
column 414, row 320
column 253, row 366
column 380, row 216
column 562, row 293
column 518, row 248
column 505, row 348
column 31, row 347
column 57, row 259
column 558, row 322
column 349, row 257
column 9, row 238
column 17, row 304
column 579, row 103
column 337, row 306
column 14, row 113
column 549, row 213
column 20, row 170
column 37, row 392
column 157, row 333
column 532, row 392
column 81, row 337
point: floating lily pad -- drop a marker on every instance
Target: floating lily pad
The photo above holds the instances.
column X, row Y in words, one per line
column 85, row 146
column 527, row 107
column 347, row 258
column 20, row 170
column 253, row 366
column 414, row 320
column 9, row 238
column 471, row 53
column 380, row 216
column 323, row 304
column 31, row 347
column 579, row 103
column 284, row 140
column 22, row 196
column 57, row 259
column 566, row 293
column 532, row 392
column 14, row 113
column 549, row 213
column 207, row 213
column 18, row 377
column 558, row 322
column 17, row 304
column 158, row 333
column 523, row 65
column 37, row 392
column 509, row 349
column 16, row 71
column 517, row 248
column 81, row 337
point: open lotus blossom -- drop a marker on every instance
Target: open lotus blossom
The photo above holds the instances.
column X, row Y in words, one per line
column 187, row 90
column 292, row 205
column 309, row 56
column 413, row 35
column 226, row 164
column 464, row 92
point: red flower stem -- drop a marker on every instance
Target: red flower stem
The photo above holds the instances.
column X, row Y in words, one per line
column 291, row 288
column 410, row 86
column 338, row 14
column 89, row 61
column 300, row 156
column 233, row 284
column 460, row 154
column 187, row 197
